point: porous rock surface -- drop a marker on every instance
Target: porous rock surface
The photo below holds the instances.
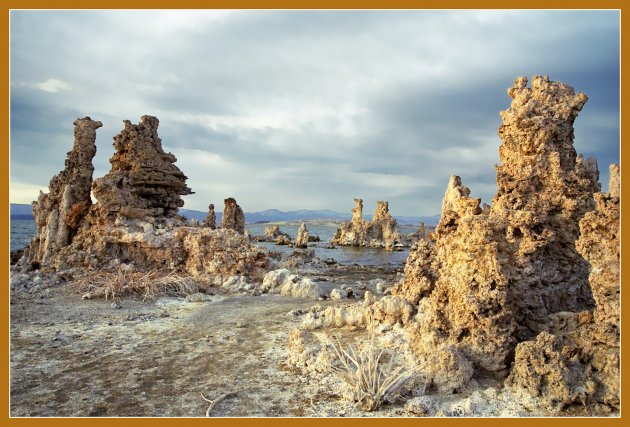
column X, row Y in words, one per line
column 491, row 278
column 381, row 231
column 59, row 212
column 301, row 241
column 599, row 244
column 272, row 232
column 211, row 219
column 578, row 360
column 388, row 310
column 285, row 283
column 135, row 219
column 143, row 181
column 233, row 217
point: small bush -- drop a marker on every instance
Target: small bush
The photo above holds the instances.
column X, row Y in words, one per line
column 372, row 382
column 146, row 285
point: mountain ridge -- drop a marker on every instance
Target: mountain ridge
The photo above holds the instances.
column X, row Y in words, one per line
column 24, row 211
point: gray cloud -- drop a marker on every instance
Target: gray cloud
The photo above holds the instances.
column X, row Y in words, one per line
column 305, row 109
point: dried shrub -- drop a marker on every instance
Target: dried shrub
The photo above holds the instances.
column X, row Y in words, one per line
column 371, row 381
column 145, row 285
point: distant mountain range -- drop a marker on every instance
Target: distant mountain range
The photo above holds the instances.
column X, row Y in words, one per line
column 22, row 211
column 19, row 211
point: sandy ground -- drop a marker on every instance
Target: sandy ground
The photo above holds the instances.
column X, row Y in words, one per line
column 74, row 357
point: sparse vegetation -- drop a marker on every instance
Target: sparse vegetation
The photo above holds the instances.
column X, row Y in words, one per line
column 145, row 285
column 372, row 381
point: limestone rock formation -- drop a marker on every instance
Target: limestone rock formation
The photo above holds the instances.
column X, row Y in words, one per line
column 421, row 272
column 544, row 370
column 383, row 227
column 382, row 231
column 410, row 239
column 135, row 220
column 283, row 240
column 210, row 220
column 59, row 212
column 301, row 241
column 284, row 283
column 614, row 186
column 274, row 234
column 144, row 181
column 388, row 310
column 491, row 278
column 454, row 192
column 544, row 189
column 579, row 360
column 599, row 244
column 352, row 233
column 233, row 217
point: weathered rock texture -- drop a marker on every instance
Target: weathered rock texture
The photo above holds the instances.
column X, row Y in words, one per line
column 421, row 272
column 388, row 310
column 274, row 234
column 135, row 221
column 579, row 360
column 410, row 239
column 491, row 278
column 544, row 189
column 211, row 219
column 599, row 244
column 382, row 231
column 284, row 283
column 143, row 181
column 233, row 217
column 301, row 241
column 59, row 212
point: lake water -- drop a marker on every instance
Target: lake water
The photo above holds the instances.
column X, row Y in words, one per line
column 23, row 230
column 342, row 254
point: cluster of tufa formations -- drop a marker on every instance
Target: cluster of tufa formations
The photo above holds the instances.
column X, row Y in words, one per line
column 523, row 294
column 382, row 231
column 134, row 221
column 506, row 290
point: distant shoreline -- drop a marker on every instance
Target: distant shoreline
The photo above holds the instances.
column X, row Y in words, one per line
column 23, row 217
column 270, row 216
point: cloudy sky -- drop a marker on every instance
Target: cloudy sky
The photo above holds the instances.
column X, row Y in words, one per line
column 304, row 109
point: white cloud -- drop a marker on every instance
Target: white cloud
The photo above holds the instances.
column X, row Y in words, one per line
column 52, row 85
column 20, row 192
column 296, row 108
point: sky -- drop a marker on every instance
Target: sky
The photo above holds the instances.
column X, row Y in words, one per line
column 304, row 109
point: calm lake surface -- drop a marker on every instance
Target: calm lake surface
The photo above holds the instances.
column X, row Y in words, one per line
column 23, row 230
column 342, row 254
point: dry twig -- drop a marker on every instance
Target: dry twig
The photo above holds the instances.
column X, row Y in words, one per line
column 215, row 401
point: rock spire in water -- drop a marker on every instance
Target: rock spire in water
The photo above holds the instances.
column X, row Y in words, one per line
column 301, row 241
column 382, row 231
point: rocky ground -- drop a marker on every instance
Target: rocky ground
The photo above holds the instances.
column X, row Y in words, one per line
column 77, row 357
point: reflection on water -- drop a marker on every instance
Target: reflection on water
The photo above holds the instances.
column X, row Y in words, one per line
column 23, row 230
